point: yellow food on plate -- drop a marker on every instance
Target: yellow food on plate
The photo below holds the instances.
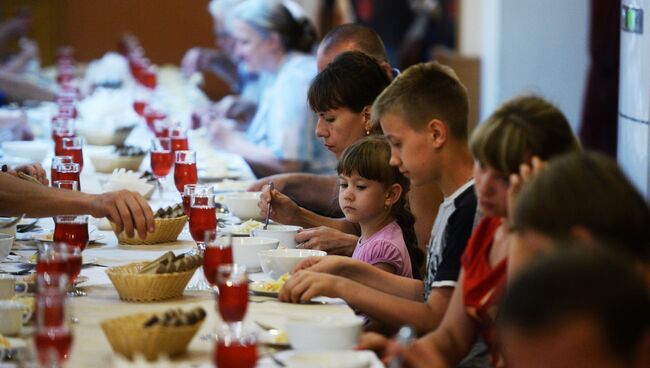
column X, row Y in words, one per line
column 28, row 301
column 247, row 227
column 4, row 343
column 275, row 285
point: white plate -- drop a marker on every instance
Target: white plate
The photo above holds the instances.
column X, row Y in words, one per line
column 257, row 288
column 327, row 359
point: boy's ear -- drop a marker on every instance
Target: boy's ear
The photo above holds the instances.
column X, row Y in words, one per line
column 393, row 194
column 437, row 131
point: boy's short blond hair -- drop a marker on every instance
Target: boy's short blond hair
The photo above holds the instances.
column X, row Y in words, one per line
column 424, row 92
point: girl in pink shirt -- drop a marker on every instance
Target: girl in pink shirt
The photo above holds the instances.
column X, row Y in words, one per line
column 372, row 194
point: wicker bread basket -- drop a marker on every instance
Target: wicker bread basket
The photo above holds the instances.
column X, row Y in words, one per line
column 167, row 230
column 128, row 336
column 135, row 287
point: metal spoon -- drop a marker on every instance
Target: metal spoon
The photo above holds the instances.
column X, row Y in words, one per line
column 268, row 209
column 12, row 222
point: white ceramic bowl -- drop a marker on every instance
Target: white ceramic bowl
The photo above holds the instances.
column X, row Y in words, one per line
column 244, row 205
column 108, row 163
column 6, row 241
column 286, row 234
column 105, row 137
column 277, row 262
column 324, row 333
column 11, row 231
column 245, row 249
column 35, row 151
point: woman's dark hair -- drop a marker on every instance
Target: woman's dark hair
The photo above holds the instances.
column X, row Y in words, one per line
column 576, row 284
column 368, row 157
column 586, row 189
column 352, row 80
column 296, row 32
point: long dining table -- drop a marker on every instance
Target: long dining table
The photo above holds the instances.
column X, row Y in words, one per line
column 90, row 346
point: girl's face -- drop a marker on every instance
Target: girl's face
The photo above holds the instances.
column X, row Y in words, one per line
column 491, row 190
column 251, row 47
column 362, row 200
column 339, row 128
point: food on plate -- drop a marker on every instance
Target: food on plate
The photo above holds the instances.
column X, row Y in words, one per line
column 169, row 263
column 4, row 342
column 176, row 317
column 274, row 286
column 247, row 227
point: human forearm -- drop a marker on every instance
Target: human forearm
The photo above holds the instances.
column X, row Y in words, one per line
column 393, row 311
column 18, row 89
column 388, row 283
column 261, row 159
column 307, row 219
column 19, row 196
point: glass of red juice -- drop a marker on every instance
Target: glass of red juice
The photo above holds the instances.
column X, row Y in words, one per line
column 61, row 122
column 56, row 161
column 178, row 136
column 161, row 128
column 73, row 146
column 69, row 172
column 52, row 284
column 162, row 160
column 235, row 347
column 51, row 262
column 72, row 229
column 218, row 251
column 188, row 192
column 52, row 330
column 59, row 134
column 232, row 281
column 185, row 169
column 203, row 213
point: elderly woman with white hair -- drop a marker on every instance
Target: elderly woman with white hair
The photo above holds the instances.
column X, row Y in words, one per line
column 272, row 39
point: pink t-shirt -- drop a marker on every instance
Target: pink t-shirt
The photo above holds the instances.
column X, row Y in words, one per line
column 386, row 246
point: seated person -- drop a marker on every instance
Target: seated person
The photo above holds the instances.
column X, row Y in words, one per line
column 245, row 87
column 280, row 138
column 341, row 95
column 576, row 309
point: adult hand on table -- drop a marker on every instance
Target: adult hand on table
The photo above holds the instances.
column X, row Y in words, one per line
column 305, row 285
column 283, row 209
column 330, row 240
column 128, row 210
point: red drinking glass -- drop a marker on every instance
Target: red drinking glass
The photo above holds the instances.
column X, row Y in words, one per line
column 73, row 146
column 72, row 229
column 161, row 128
column 139, row 106
column 56, row 161
column 236, row 347
column 232, row 281
column 69, row 172
column 50, row 262
column 151, row 116
column 65, row 124
column 179, row 139
column 60, row 133
column 188, row 191
column 185, row 169
column 162, row 158
column 203, row 213
column 217, row 252
column 53, row 331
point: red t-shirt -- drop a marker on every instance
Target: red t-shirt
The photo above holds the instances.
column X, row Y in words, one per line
column 483, row 284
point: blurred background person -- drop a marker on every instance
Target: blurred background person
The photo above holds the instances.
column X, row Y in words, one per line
column 271, row 40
